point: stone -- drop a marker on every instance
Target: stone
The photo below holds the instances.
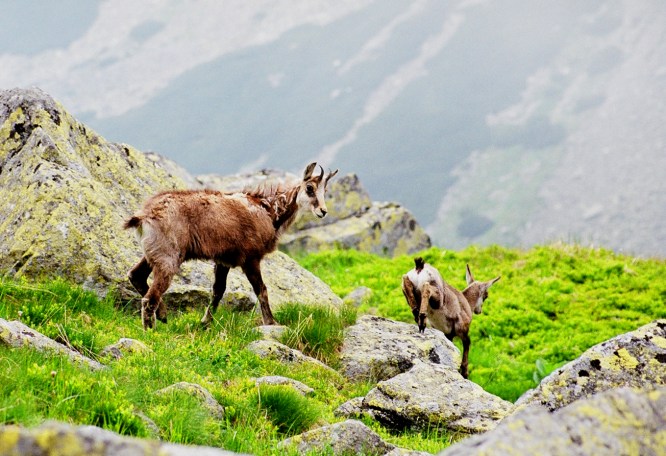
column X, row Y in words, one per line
column 56, row 438
column 386, row 229
column 353, row 408
column 432, row 396
column 124, row 346
column 613, row 422
column 635, row 359
column 272, row 332
column 198, row 391
column 274, row 380
column 377, row 348
column 16, row 334
column 276, row 350
column 347, row 437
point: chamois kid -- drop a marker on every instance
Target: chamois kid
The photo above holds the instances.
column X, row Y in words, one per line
column 447, row 309
column 232, row 229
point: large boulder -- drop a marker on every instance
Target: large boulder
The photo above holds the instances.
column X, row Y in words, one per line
column 377, row 349
column 618, row 421
column 65, row 192
column 635, row 359
column 52, row 438
column 432, row 396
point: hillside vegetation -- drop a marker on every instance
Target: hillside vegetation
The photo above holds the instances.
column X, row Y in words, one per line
column 551, row 304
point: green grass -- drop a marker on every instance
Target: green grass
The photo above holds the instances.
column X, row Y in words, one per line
column 551, row 304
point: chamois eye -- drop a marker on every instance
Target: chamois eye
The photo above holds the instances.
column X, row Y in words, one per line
column 310, row 189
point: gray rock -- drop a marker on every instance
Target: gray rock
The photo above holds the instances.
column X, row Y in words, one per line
column 17, row 335
column 275, row 350
column 406, row 452
column 376, row 349
column 302, row 388
column 617, row 421
column 348, row 437
column 124, row 347
column 434, row 396
column 635, row 359
column 358, row 296
column 384, row 229
column 272, row 332
column 54, row 437
column 198, row 391
column 65, row 192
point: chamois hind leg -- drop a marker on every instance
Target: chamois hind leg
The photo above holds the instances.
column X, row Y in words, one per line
column 219, row 286
column 466, row 343
column 252, row 270
column 153, row 299
column 138, row 276
column 410, row 295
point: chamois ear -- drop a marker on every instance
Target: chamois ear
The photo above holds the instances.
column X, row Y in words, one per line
column 330, row 175
column 307, row 174
column 494, row 280
column 468, row 276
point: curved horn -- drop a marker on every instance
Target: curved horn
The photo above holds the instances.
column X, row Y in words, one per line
column 330, row 174
column 321, row 176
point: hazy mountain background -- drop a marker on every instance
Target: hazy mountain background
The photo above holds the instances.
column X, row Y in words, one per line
column 494, row 121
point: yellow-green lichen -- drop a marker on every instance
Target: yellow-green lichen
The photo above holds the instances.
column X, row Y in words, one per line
column 659, row 341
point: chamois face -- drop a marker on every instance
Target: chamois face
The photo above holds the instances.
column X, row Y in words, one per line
column 313, row 190
column 477, row 291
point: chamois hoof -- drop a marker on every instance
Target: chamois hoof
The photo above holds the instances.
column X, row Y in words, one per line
column 148, row 320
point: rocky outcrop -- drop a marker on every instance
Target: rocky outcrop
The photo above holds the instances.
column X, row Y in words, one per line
column 17, row 335
column 198, row 391
column 64, row 193
column 635, row 359
column 618, row 421
column 348, row 437
column 377, row 348
column 434, row 396
column 55, row 438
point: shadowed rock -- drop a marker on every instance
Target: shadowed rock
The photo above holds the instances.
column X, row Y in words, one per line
column 198, row 391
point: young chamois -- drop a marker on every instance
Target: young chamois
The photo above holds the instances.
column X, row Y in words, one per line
column 447, row 309
column 232, row 229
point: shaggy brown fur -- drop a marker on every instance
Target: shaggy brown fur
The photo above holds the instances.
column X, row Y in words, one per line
column 447, row 309
column 232, row 229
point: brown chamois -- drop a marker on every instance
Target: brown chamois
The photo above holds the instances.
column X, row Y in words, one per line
column 232, row 229
column 447, row 309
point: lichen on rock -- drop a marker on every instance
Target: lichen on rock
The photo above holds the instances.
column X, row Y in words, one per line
column 634, row 359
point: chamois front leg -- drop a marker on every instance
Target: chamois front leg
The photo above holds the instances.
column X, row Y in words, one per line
column 252, row 270
column 466, row 343
column 219, row 286
column 427, row 294
column 409, row 291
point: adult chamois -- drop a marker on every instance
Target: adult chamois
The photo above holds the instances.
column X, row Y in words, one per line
column 447, row 309
column 232, row 229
